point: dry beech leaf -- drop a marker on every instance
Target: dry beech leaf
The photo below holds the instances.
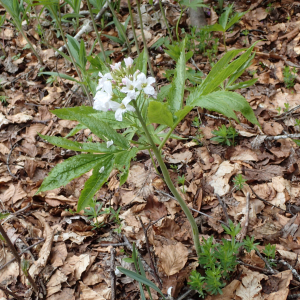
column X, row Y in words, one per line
column 250, row 289
column 173, row 258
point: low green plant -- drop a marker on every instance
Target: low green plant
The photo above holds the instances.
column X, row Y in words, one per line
column 114, row 216
column 269, row 8
column 226, row 20
column 249, row 244
column 239, row 182
column 297, row 122
column 3, row 100
column 124, row 99
column 174, row 167
column 289, row 75
column 269, row 252
column 286, row 107
column 225, row 135
column 93, row 211
column 196, row 122
column 218, row 261
column 181, row 180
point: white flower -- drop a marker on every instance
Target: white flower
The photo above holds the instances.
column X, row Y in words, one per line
column 116, row 67
column 109, row 143
column 121, row 108
column 128, row 62
column 101, row 169
column 103, row 79
column 143, row 83
column 117, row 272
column 103, row 97
column 129, row 85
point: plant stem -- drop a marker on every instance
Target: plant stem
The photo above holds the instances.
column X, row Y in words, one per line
column 165, row 19
column 133, row 28
column 170, row 183
column 96, row 29
column 224, row 41
column 120, row 25
column 16, row 255
column 143, row 36
column 177, row 24
column 71, row 56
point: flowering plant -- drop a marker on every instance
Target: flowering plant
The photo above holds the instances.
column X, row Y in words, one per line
column 126, row 99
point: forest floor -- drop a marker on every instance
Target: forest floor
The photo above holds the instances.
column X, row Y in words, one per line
column 71, row 260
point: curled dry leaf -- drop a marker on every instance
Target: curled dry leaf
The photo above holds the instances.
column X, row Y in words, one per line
column 173, row 258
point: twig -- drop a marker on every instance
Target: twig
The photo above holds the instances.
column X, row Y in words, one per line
column 149, row 252
column 6, row 291
column 113, row 245
column 112, row 273
column 245, row 228
column 285, row 136
column 85, row 28
column 25, row 250
column 295, row 296
column 194, row 64
column 16, row 255
column 199, row 212
column 216, row 117
column 286, row 114
column 188, row 136
column 224, row 209
column 268, row 203
column 266, row 262
column 8, row 158
column 145, row 265
column 11, row 215
column 255, row 268
column 294, row 272
column 187, row 293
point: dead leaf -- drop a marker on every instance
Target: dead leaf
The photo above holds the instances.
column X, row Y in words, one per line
column 173, row 258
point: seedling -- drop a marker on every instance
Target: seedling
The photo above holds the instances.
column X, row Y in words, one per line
column 297, row 122
column 287, row 107
column 239, row 182
column 249, row 244
column 289, row 76
column 181, row 180
column 93, row 212
column 224, row 22
column 225, row 135
column 269, row 252
column 245, row 32
column 269, row 8
column 279, row 110
column 3, row 100
column 174, row 167
column 196, row 122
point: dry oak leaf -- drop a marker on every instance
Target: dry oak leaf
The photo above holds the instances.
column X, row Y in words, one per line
column 173, row 258
column 250, row 289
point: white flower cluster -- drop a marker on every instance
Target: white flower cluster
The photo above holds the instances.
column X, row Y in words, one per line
column 130, row 85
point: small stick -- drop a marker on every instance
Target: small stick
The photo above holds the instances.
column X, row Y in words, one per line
column 294, row 272
column 224, row 209
column 285, row 136
column 6, row 291
column 254, row 267
column 149, row 252
column 268, row 203
column 17, row 257
column 266, row 262
column 199, row 212
column 11, row 215
column 187, row 293
column 112, row 273
column 295, row 296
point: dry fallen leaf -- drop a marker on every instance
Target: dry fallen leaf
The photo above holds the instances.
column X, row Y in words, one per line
column 173, row 258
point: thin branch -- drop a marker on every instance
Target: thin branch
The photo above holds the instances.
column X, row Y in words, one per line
column 17, row 257
column 285, row 136
column 6, row 291
column 112, row 273
column 268, row 203
column 149, row 252
column 294, row 272
column 266, row 262
column 254, row 267
column 187, row 293
column 224, row 209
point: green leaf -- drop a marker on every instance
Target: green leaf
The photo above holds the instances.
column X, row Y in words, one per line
column 95, row 182
column 164, row 91
column 159, row 113
column 297, row 142
column 76, row 129
column 102, row 129
column 226, row 103
column 220, row 71
column 175, row 98
column 215, row 27
column 76, row 146
column 224, row 17
column 241, row 85
column 69, row 169
column 182, row 113
column 72, row 15
column 114, row 39
column 141, row 279
column 193, row 4
column 3, row 216
column 122, row 160
column 74, row 47
column 235, row 19
column 62, row 75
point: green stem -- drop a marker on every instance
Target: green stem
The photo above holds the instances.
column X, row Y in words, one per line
column 96, row 29
column 165, row 19
column 71, row 56
column 133, row 28
column 224, row 41
column 170, row 184
column 143, row 36
column 120, row 25
column 30, row 45
column 151, row 156
column 177, row 24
